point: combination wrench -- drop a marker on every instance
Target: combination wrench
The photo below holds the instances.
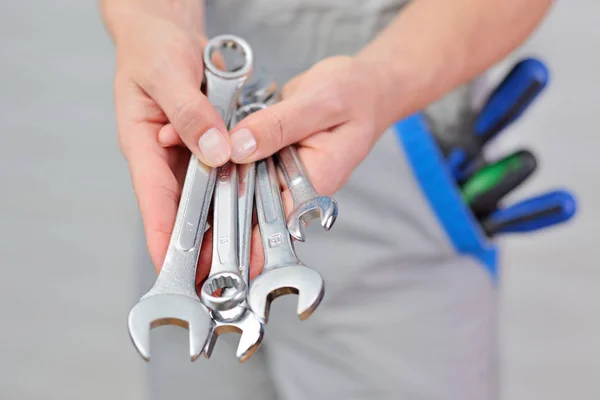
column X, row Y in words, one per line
column 308, row 205
column 173, row 299
column 283, row 272
column 224, row 271
column 241, row 319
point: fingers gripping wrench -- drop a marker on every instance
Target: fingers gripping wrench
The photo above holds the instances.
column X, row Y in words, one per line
column 173, row 299
column 283, row 272
column 308, row 205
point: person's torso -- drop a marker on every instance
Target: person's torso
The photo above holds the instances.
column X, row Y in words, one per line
column 289, row 36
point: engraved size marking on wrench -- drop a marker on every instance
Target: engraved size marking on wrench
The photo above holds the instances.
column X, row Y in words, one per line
column 275, row 240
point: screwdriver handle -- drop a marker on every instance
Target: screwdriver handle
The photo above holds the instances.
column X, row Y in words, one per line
column 532, row 214
column 507, row 102
column 484, row 189
column 525, row 81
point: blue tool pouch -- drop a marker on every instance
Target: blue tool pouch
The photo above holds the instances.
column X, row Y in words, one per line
column 439, row 187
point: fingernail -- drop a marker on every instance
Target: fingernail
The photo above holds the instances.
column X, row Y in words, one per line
column 214, row 147
column 242, row 144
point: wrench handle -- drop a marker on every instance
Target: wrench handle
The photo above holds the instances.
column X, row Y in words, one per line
column 295, row 175
column 225, row 221
column 276, row 240
column 246, row 190
column 246, row 186
column 178, row 272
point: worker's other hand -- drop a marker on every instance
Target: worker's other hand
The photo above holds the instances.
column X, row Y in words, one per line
column 330, row 111
column 157, row 92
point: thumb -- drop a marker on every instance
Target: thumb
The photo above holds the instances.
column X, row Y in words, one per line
column 177, row 92
column 264, row 132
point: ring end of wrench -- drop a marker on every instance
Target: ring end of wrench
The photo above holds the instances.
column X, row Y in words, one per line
column 228, row 300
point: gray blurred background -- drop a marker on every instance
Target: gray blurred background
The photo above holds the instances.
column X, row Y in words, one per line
column 69, row 217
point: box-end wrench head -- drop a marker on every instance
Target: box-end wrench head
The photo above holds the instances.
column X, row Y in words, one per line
column 223, row 86
column 283, row 272
column 308, row 205
column 173, row 299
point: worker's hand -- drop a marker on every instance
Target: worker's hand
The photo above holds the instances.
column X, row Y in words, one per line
column 157, row 92
column 332, row 112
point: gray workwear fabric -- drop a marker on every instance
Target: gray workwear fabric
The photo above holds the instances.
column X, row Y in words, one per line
column 403, row 317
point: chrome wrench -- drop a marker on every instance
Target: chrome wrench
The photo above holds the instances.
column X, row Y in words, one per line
column 283, row 272
column 173, row 299
column 308, row 204
column 226, row 87
column 241, row 319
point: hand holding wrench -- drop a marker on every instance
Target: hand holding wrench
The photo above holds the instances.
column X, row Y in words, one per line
column 173, row 298
column 308, row 205
column 283, row 272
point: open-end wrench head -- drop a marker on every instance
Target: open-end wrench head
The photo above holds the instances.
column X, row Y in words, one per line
column 251, row 332
column 294, row 279
column 323, row 207
column 228, row 299
column 169, row 309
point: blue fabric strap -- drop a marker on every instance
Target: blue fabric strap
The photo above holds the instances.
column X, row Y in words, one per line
column 438, row 185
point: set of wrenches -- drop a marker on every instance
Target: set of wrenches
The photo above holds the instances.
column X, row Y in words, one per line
column 228, row 301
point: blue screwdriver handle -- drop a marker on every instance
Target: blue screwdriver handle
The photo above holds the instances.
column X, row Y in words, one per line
column 532, row 214
column 526, row 80
column 508, row 101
